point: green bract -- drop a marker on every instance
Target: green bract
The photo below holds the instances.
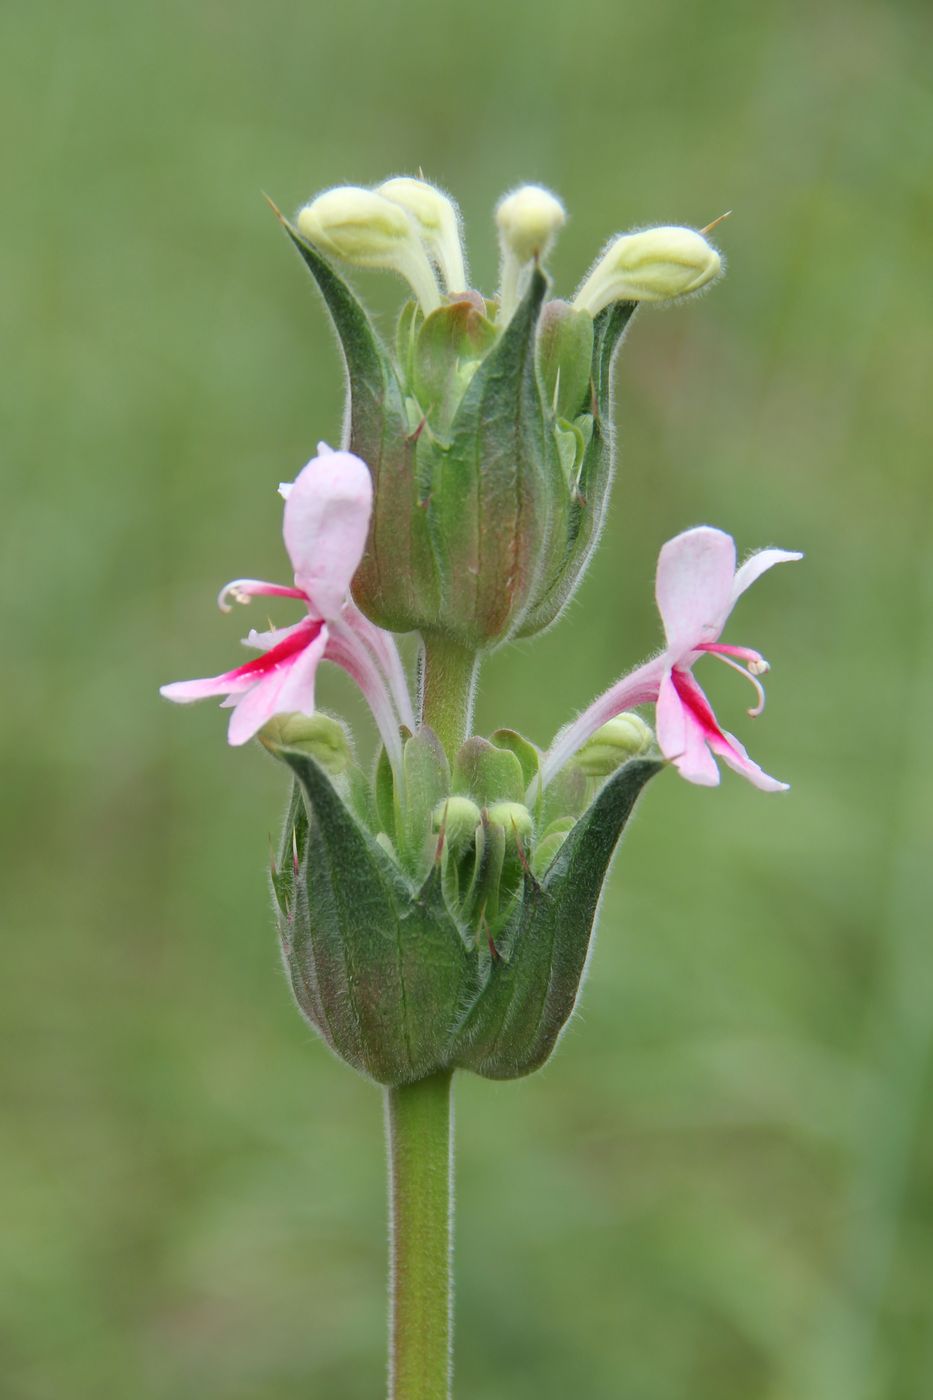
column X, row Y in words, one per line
column 410, row 953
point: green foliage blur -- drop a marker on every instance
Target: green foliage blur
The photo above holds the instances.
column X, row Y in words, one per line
column 721, row 1187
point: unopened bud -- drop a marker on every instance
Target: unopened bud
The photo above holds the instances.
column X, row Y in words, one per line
column 529, row 220
column 654, row 265
column 321, row 736
column 437, row 222
column 458, row 818
column 367, row 230
column 626, row 736
column 514, row 818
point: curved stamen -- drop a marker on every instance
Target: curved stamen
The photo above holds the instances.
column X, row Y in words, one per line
column 242, row 589
column 750, row 676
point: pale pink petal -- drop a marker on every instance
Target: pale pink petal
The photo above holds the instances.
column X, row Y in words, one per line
column 185, row 691
column 288, row 641
column 257, row 706
column 725, row 745
column 682, row 737
column 756, row 564
column 733, row 753
column 326, row 522
column 297, row 693
column 287, row 688
column 670, row 721
column 347, row 649
column 265, row 641
column 696, row 763
column 382, row 645
column 694, row 587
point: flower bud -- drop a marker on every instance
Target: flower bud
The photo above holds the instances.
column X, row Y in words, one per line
column 624, row 737
column 654, row 265
column 367, row 230
column 529, row 220
column 458, row 818
column 438, row 224
column 514, row 818
column 319, row 735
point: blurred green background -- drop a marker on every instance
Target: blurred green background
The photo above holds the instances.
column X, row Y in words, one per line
column 722, row 1185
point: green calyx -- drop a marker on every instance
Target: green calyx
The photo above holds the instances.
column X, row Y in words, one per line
column 439, row 916
column 490, row 447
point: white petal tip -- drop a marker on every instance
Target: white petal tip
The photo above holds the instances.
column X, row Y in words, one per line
column 179, row 691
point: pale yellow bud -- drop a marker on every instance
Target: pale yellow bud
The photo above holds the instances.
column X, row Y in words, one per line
column 654, row 265
column 367, row 230
column 438, row 224
column 529, row 219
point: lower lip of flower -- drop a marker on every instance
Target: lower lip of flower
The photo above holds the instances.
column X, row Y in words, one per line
column 296, row 641
column 693, row 699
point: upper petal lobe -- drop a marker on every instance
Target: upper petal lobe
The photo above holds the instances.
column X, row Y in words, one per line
column 694, row 587
column 327, row 514
column 756, row 564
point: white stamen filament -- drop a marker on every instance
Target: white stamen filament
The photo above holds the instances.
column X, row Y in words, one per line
column 755, row 669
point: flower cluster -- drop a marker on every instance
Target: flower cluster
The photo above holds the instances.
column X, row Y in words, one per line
column 437, row 911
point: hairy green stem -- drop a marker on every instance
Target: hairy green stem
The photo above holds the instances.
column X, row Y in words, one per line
column 448, row 682
column 419, row 1125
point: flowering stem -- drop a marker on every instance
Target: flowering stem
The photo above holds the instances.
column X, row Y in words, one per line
column 448, row 682
column 419, row 1125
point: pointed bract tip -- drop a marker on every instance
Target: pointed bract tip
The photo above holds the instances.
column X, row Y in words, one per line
column 275, row 208
column 716, row 222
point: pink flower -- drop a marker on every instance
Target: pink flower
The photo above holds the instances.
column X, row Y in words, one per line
column 327, row 511
column 697, row 586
